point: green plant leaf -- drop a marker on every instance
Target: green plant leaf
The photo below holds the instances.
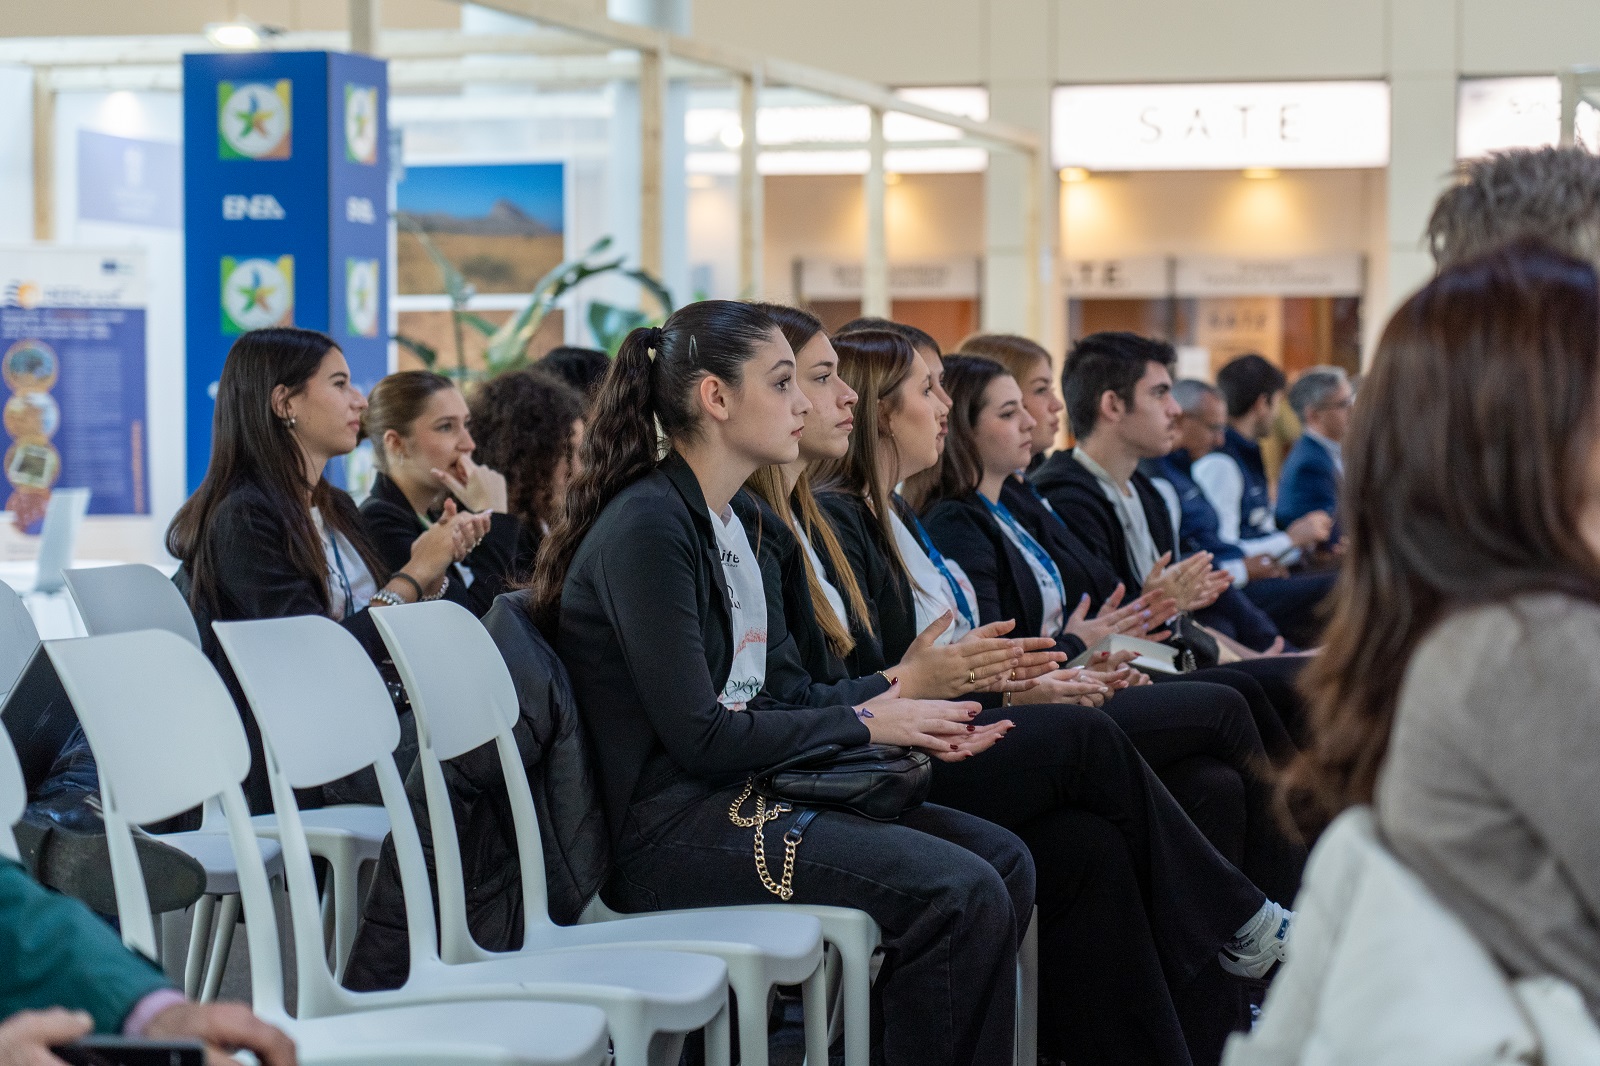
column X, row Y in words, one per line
column 611, row 324
column 427, row 353
column 478, row 322
column 654, row 287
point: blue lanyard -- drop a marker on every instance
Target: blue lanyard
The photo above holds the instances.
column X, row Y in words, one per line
column 344, row 580
column 1033, row 547
column 1036, row 494
column 939, row 563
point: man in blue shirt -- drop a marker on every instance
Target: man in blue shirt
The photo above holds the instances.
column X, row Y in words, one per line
column 1291, row 601
column 1312, row 473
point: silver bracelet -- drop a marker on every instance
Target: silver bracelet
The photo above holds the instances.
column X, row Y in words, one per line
column 443, row 585
column 387, row 598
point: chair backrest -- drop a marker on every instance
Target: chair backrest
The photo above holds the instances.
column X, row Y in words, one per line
column 463, row 697
column 18, row 637
column 133, row 596
column 13, row 796
column 324, row 713
column 167, row 737
column 63, row 516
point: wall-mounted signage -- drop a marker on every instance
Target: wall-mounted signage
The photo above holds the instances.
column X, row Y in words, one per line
column 286, row 183
column 1222, row 126
column 1134, row 277
column 1493, row 114
column 826, row 279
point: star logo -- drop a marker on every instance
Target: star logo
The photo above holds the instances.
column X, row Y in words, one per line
column 257, row 293
column 361, row 125
column 254, row 120
column 361, row 290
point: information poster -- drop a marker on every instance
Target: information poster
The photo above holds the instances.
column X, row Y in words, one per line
column 72, row 357
column 286, row 182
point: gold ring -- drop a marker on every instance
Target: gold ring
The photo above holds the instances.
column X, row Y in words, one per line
column 1012, row 676
column 972, row 677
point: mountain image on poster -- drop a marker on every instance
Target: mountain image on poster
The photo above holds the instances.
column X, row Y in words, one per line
column 253, row 120
column 257, row 293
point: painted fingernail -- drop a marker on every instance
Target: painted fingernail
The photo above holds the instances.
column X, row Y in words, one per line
column 972, row 729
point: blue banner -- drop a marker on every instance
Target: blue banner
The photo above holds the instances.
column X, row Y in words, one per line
column 285, row 211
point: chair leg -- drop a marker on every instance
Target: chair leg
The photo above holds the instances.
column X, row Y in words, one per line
column 1028, row 994
column 221, row 946
column 719, row 1040
column 855, row 966
column 752, row 999
column 199, row 940
column 346, row 916
column 814, row 1003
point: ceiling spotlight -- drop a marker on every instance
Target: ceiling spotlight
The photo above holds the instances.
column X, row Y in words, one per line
column 1073, row 175
column 731, row 136
column 240, row 36
column 1260, row 173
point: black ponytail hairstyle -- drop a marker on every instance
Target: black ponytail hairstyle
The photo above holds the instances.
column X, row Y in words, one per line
column 646, row 400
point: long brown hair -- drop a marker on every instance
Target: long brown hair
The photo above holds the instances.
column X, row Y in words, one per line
column 251, row 445
column 1476, row 500
column 1016, row 353
column 875, row 363
column 646, row 399
column 960, row 468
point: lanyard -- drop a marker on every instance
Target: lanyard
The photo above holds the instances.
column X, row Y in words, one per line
column 1036, row 494
column 944, row 570
column 344, row 579
column 1025, row 539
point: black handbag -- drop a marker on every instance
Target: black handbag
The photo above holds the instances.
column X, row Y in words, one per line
column 1197, row 649
column 876, row 781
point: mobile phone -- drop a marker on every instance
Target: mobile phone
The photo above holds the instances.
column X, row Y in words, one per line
column 128, row 1051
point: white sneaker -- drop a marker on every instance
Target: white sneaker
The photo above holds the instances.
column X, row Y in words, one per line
column 1260, row 945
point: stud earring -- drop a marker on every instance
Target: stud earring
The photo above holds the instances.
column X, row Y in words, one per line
column 288, row 423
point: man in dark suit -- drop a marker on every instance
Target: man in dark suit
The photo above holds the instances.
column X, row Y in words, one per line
column 1312, row 473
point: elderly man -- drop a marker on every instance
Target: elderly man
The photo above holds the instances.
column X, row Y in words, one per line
column 1291, row 601
column 1322, row 399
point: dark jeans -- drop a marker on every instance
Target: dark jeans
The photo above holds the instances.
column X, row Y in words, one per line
column 951, row 893
column 1059, row 764
column 1293, row 603
column 1202, row 741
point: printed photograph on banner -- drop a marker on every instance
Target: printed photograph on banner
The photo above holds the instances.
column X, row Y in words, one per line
column 361, row 281
column 257, row 293
column 361, row 123
column 501, row 224
column 30, row 366
column 253, row 119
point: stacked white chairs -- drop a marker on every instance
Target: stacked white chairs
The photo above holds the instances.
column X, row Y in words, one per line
column 463, row 698
column 13, row 797
column 167, row 738
column 324, row 712
column 18, row 637
column 122, row 599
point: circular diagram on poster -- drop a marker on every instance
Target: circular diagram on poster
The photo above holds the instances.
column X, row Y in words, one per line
column 32, row 463
column 32, row 414
column 30, row 366
column 27, row 507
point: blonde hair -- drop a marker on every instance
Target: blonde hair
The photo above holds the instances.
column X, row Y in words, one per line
column 1548, row 195
column 1013, row 351
column 767, row 483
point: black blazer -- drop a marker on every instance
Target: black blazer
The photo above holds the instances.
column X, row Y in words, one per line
column 256, row 579
column 1082, row 571
column 801, row 667
column 884, row 586
column 392, row 524
column 644, row 630
column 963, row 529
column 1078, row 498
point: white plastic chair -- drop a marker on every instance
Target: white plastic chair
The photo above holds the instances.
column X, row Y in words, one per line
column 324, row 713
column 167, row 737
column 122, row 599
column 463, row 698
column 18, row 638
column 13, row 797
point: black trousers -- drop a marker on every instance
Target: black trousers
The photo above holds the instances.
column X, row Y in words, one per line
column 951, row 893
column 1202, row 741
column 1294, row 603
column 1107, row 978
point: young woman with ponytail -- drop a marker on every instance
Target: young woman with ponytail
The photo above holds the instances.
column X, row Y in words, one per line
column 1105, row 836
column 653, row 597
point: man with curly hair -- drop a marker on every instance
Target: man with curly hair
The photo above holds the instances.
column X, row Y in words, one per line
column 1550, row 195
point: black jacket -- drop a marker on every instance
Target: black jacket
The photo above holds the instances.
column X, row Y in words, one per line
column 644, row 630
column 963, row 529
column 256, row 579
column 801, row 667
column 392, row 525
column 1077, row 497
column 1082, row 571
column 884, row 586
column 559, row 770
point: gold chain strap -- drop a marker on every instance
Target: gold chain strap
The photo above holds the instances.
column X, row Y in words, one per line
column 791, row 842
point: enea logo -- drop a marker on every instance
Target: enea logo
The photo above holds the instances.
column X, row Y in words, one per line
column 253, row 120
column 24, row 294
column 257, row 293
column 361, row 297
column 361, row 123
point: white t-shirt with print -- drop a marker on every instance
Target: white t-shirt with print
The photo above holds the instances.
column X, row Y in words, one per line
column 747, row 600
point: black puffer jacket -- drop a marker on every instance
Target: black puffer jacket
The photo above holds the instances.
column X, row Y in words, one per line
column 555, row 755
